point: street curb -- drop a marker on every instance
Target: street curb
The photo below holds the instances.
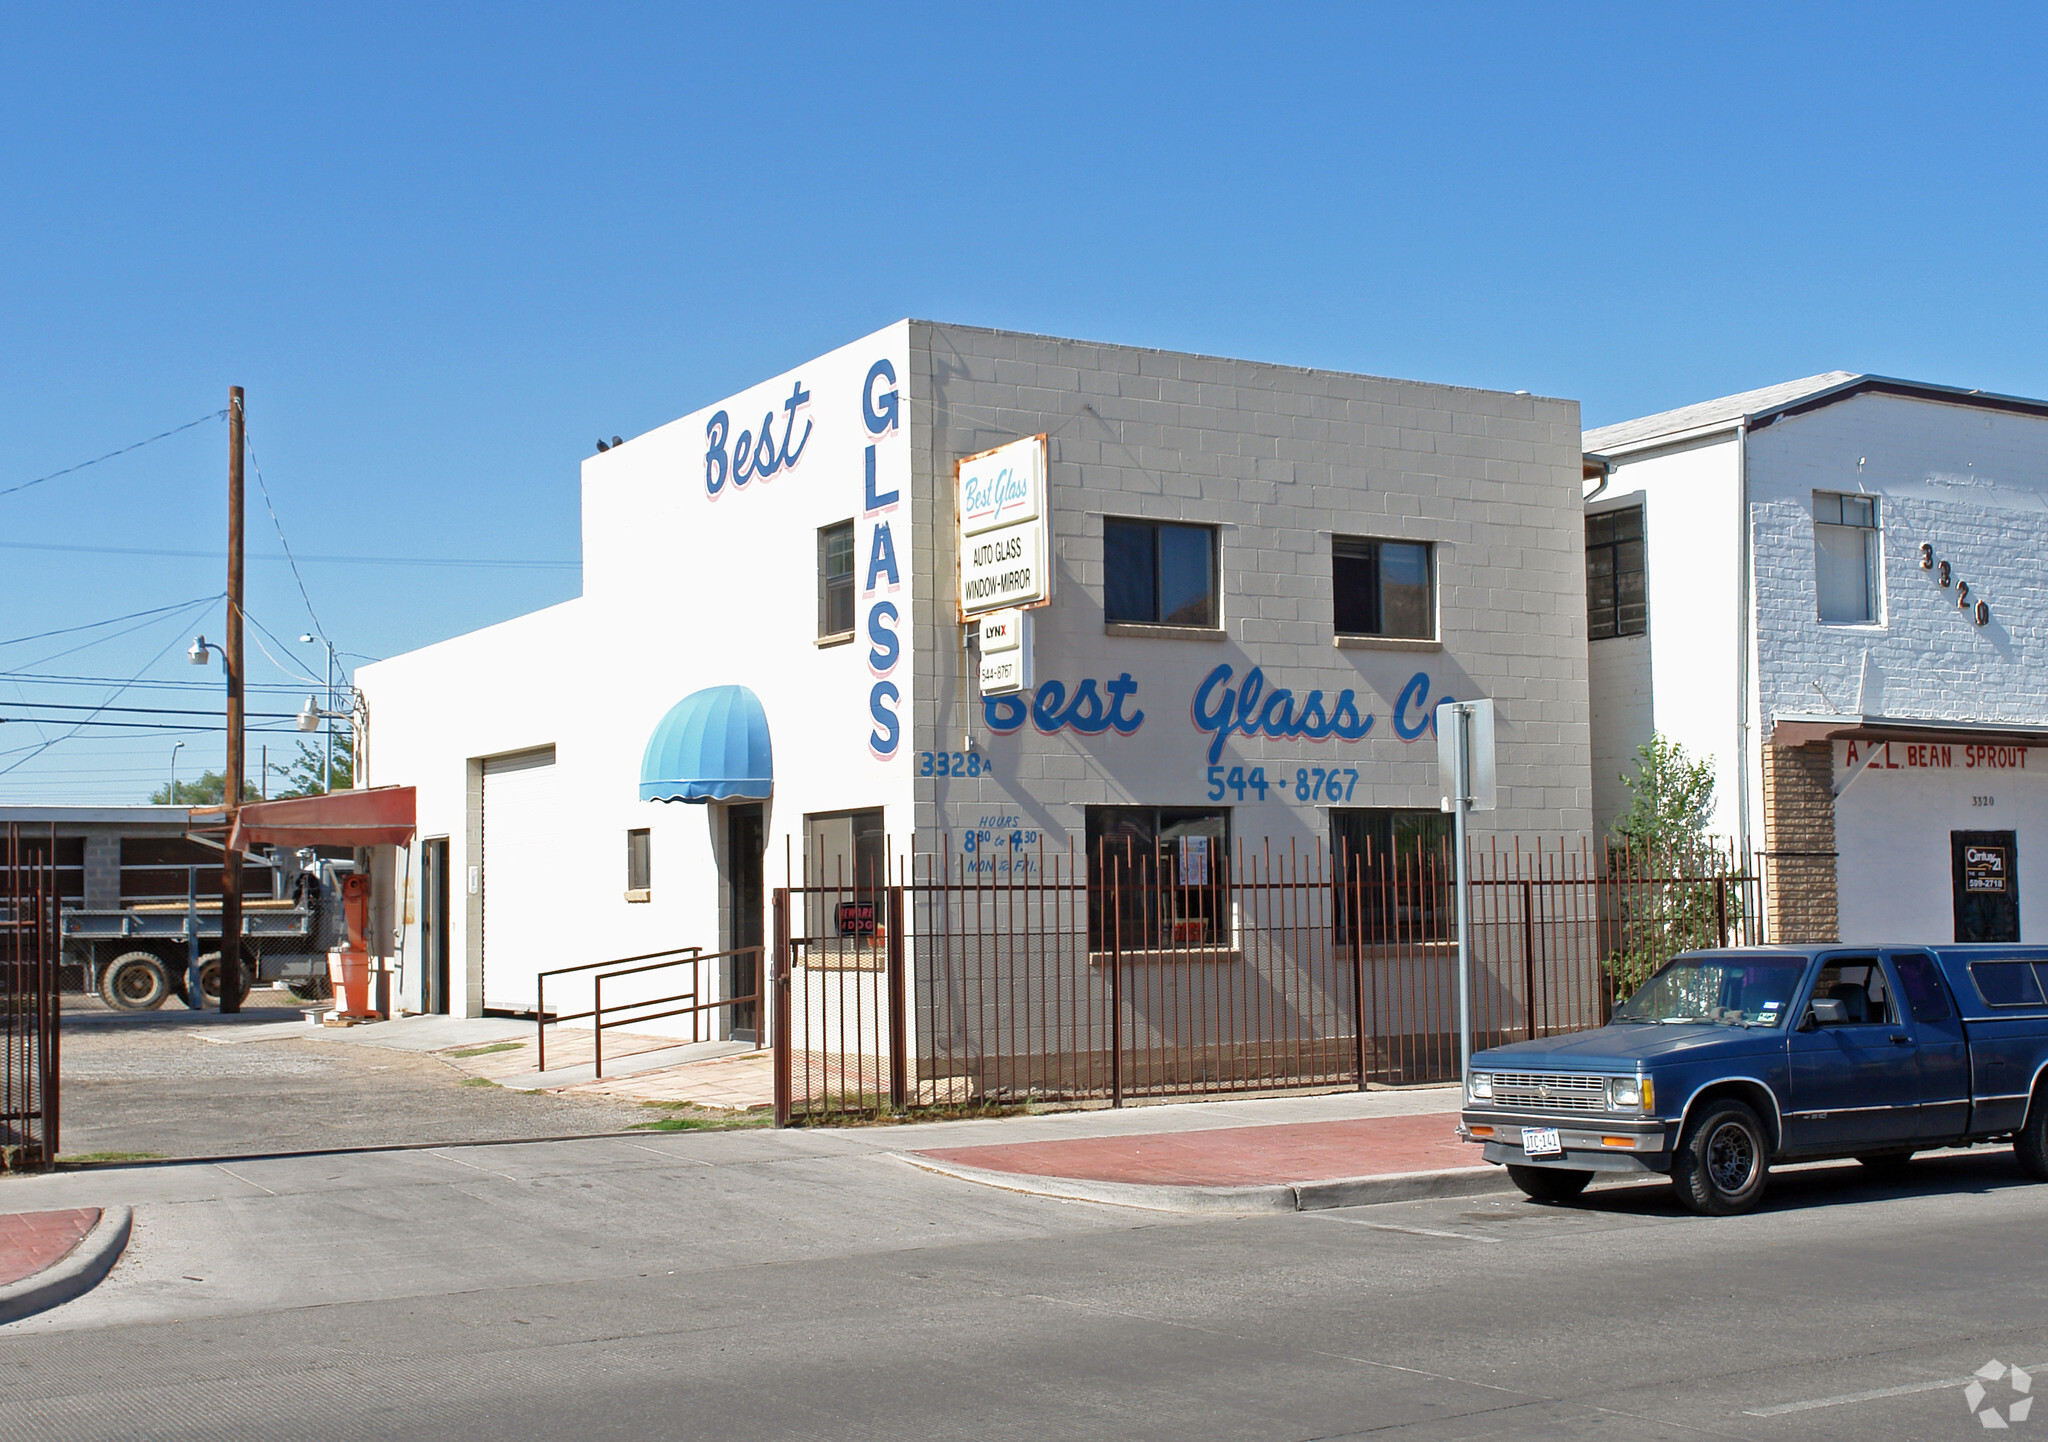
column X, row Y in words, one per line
column 1265, row 1198
column 74, row 1274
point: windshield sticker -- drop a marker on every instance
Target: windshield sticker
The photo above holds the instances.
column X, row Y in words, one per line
column 1772, row 1005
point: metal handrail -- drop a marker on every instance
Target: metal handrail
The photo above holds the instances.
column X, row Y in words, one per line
column 676, row 956
column 540, row 989
column 597, row 995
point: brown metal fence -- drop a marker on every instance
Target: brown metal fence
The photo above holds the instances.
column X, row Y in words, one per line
column 1208, row 969
column 29, row 904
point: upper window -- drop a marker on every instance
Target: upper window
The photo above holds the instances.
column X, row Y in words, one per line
column 1159, row 574
column 835, row 580
column 1382, row 588
column 1615, row 589
column 639, row 860
column 1845, row 557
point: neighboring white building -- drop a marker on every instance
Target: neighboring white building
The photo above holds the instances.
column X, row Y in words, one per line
column 1837, row 588
column 1214, row 525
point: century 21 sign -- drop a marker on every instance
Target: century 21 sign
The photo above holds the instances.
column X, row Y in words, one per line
column 1004, row 529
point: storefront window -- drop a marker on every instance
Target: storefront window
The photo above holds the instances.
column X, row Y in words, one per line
column 1157, row 574
column 1845, row 557
column 1394, row 871
column 846, row 871
column 1616, row 591
column 1157, row 877
column 835, row 580
column 1382, row 588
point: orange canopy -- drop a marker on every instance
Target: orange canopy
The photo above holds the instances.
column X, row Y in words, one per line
column 382, row 816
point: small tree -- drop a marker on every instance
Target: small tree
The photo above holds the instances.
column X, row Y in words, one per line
column 1666, row 859
column 211, row 789
column 307, row 772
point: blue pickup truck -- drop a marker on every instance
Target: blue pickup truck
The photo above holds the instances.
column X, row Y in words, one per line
column 1724, row 1062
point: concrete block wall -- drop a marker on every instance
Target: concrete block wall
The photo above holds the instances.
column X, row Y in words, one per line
column 1973, row 484
column 1278, row 459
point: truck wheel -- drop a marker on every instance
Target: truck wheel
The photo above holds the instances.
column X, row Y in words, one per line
column 134, row 981
column 1722, row 1161
column 1549, row 1184
column 209, row 978
column 2030, row 1142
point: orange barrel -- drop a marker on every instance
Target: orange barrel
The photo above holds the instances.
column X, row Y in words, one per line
column 350, row 970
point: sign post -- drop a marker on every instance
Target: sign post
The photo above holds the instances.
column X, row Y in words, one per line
column 1464, row 758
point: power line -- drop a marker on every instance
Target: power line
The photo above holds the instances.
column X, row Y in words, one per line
column 114, row 621
column 480, row 563
column 211, row 416
column 304, row 595
column 45, row 678
column 144, row 710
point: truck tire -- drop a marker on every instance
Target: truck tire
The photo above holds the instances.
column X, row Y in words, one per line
column 135, row 981
column 1723, row 1160
column 1549, row 1184
column 2030, row 1142
column 209, row 979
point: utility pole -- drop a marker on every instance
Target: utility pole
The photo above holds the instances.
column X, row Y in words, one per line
column 231, row 857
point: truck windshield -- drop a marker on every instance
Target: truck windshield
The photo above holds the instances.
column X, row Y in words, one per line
column 1719, row 990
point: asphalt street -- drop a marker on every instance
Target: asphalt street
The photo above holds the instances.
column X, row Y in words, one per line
column 810, row 1285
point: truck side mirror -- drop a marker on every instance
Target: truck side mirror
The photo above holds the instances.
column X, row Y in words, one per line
column 1824, row 1011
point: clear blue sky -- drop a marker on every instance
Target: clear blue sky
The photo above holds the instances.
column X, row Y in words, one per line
column 445, row 249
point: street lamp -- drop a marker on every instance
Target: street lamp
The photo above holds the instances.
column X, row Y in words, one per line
column 309, row 639
column 174, row 771
column 199, row 655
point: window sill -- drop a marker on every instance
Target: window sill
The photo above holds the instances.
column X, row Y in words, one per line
column 1165, row 633
column 639, row 893
column 837, row 638
column 1219, row 955
column 1388, row 643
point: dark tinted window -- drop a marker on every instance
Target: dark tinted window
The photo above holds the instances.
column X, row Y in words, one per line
column 835, row 579
column 1926, row 993
column 1155, row 573
column 2006, row 983
column 1615, row 595
column 1381, row 588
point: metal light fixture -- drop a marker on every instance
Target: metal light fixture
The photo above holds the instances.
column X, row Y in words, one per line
column 309, row 719
column 200, row 654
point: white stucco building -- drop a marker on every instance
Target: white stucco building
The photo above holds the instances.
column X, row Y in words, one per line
column 1837, row 588
column 1261, row 578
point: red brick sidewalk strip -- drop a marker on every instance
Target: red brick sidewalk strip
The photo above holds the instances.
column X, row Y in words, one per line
column 33, row 1241
column 1236, row 1156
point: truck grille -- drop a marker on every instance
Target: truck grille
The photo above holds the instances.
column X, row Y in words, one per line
column 1550, row 1091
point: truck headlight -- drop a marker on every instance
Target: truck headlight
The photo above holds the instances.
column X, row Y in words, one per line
column 1480, row 1088
column 1628, row 1094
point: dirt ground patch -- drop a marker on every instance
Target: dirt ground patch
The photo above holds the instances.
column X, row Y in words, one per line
column 179, row 1084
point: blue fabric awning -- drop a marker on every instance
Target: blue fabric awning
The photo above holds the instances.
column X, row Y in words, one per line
column 712, row 746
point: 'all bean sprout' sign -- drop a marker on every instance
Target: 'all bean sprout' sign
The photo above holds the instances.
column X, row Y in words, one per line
column 1005, row 535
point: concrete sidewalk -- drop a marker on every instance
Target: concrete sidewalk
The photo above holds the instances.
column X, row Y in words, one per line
column 1279, row 1166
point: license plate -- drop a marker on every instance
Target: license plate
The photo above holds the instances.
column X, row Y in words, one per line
column 1541, row 1142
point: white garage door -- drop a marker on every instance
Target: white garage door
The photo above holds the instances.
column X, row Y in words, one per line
column 525, row 918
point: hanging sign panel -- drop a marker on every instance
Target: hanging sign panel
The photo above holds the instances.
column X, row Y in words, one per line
column 1004, row 530
column 1005, row 653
